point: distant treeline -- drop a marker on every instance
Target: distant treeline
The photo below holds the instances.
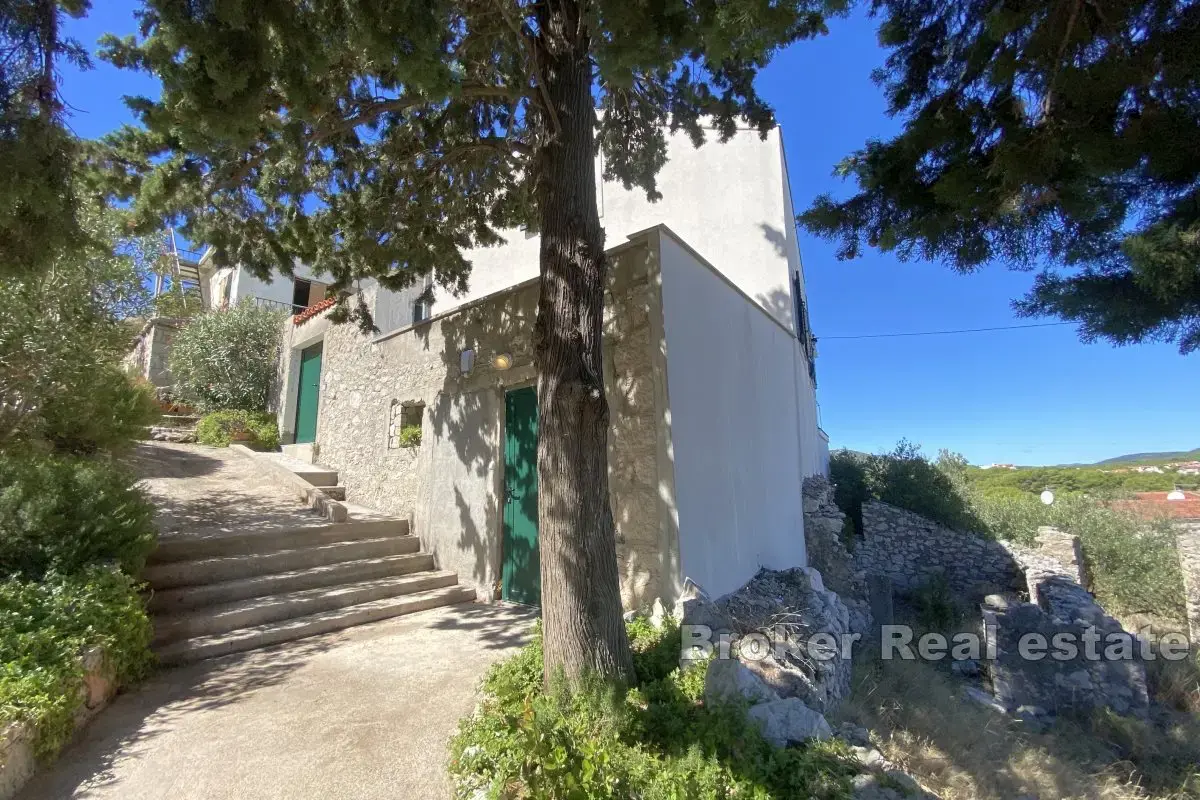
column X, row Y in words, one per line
column 1076, row 479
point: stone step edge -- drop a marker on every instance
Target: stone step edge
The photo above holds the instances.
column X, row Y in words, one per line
column 316, row 599
column 264, row 567
column 242, row 639
column 348, row 531
column 217, row 587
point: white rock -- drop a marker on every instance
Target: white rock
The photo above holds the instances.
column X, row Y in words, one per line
column 658, row 613
column 789, row 720
column 728, row 681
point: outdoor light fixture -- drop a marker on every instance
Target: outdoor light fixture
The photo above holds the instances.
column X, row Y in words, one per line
column 1047, row 497
column 502, row 361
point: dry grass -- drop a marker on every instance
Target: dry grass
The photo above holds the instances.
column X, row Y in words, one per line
column 963, row 751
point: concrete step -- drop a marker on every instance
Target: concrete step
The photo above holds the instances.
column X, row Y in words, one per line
column 178, row 435
column 197, row 648
column 180, row 548
column 273, row 608
column 170, row 601
column 335, row 492
column 316, row 475
column 227, row 568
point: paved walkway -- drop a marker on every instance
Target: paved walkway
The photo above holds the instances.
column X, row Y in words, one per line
column 364, row 714
column 201, row 490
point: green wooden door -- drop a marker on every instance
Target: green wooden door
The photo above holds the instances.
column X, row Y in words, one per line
column 308, row 394
column 522, row 565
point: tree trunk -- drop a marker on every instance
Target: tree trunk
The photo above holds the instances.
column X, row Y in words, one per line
column 581, row 597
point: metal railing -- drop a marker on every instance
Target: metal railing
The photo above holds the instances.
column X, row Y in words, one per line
column 278, row 305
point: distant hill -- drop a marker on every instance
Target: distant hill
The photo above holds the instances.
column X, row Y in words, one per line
column 1143, row 458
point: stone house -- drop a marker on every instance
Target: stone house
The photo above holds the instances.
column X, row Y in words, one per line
column 709, row 371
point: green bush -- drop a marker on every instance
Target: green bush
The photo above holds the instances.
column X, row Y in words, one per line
column 655, row 741
column 903, row 478
column 46, row 625
column 256, row 428
column 108, row 413
column 64, row 514
column 1133, row 563
column 226, row 359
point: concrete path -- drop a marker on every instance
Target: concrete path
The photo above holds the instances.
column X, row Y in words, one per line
column 202, row 490
column 364, row 714
column 199, row 490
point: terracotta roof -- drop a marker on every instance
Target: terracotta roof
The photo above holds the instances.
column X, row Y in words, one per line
column 1156, row 504
column 313, row 310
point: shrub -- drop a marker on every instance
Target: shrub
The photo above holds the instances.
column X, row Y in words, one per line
column 903, row 478
column 61, row 335
column 258, row 429
column 44, row 628
column 1133, row 564
column 654, row 741
column 107, row 413
column 64, row 514
column 227, row 359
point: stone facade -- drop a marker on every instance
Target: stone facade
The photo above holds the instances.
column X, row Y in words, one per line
column 450, row 486
column 1188, row 544
column 911, row 551
column 152, row 349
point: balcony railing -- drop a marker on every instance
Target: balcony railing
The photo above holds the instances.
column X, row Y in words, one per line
column 278, row 305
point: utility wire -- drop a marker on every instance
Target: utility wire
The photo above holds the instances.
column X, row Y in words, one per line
column 944, row 333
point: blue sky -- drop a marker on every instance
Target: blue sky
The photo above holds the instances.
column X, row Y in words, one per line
column 1036, row 396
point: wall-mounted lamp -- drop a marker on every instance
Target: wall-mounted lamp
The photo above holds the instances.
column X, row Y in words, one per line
column 501, row 361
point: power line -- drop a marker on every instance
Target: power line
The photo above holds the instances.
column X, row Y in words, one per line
column 945, row 333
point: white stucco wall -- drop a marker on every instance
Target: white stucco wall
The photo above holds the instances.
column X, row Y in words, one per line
column 729, row 201
column 279, row 288
column 743, row 424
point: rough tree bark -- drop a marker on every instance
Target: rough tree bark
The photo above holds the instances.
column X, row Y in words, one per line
column 581, row 598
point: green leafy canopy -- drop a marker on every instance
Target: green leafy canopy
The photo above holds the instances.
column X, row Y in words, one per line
column 381, row 138
column 1064, row 133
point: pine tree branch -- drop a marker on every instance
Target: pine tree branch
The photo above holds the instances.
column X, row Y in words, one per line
column 364, row 115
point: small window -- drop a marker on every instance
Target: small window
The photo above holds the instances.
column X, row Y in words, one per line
column 404, row 424
column 301, row 289
column 422, row 310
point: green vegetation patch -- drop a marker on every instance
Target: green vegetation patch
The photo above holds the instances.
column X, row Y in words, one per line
column 255, row 428
column 46, row 625
column 656, row 741
column 63, row 514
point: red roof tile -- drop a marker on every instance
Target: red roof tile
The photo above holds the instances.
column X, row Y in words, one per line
column 313, row 310
column 1156, row 504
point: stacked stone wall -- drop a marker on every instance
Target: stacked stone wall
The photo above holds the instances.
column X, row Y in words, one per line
column 912, row 551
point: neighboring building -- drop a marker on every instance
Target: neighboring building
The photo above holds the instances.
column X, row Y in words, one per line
column 709, row 371
column 228, row 286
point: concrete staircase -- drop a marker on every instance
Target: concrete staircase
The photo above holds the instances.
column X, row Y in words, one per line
column 226, row 593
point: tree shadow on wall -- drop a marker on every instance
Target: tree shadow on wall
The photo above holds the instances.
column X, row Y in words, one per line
column 468, row 417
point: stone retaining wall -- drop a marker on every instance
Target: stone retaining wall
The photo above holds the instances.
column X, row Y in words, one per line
column 912, row 550
column 17, row 759
column 1052, row 685
column 1188, row 544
